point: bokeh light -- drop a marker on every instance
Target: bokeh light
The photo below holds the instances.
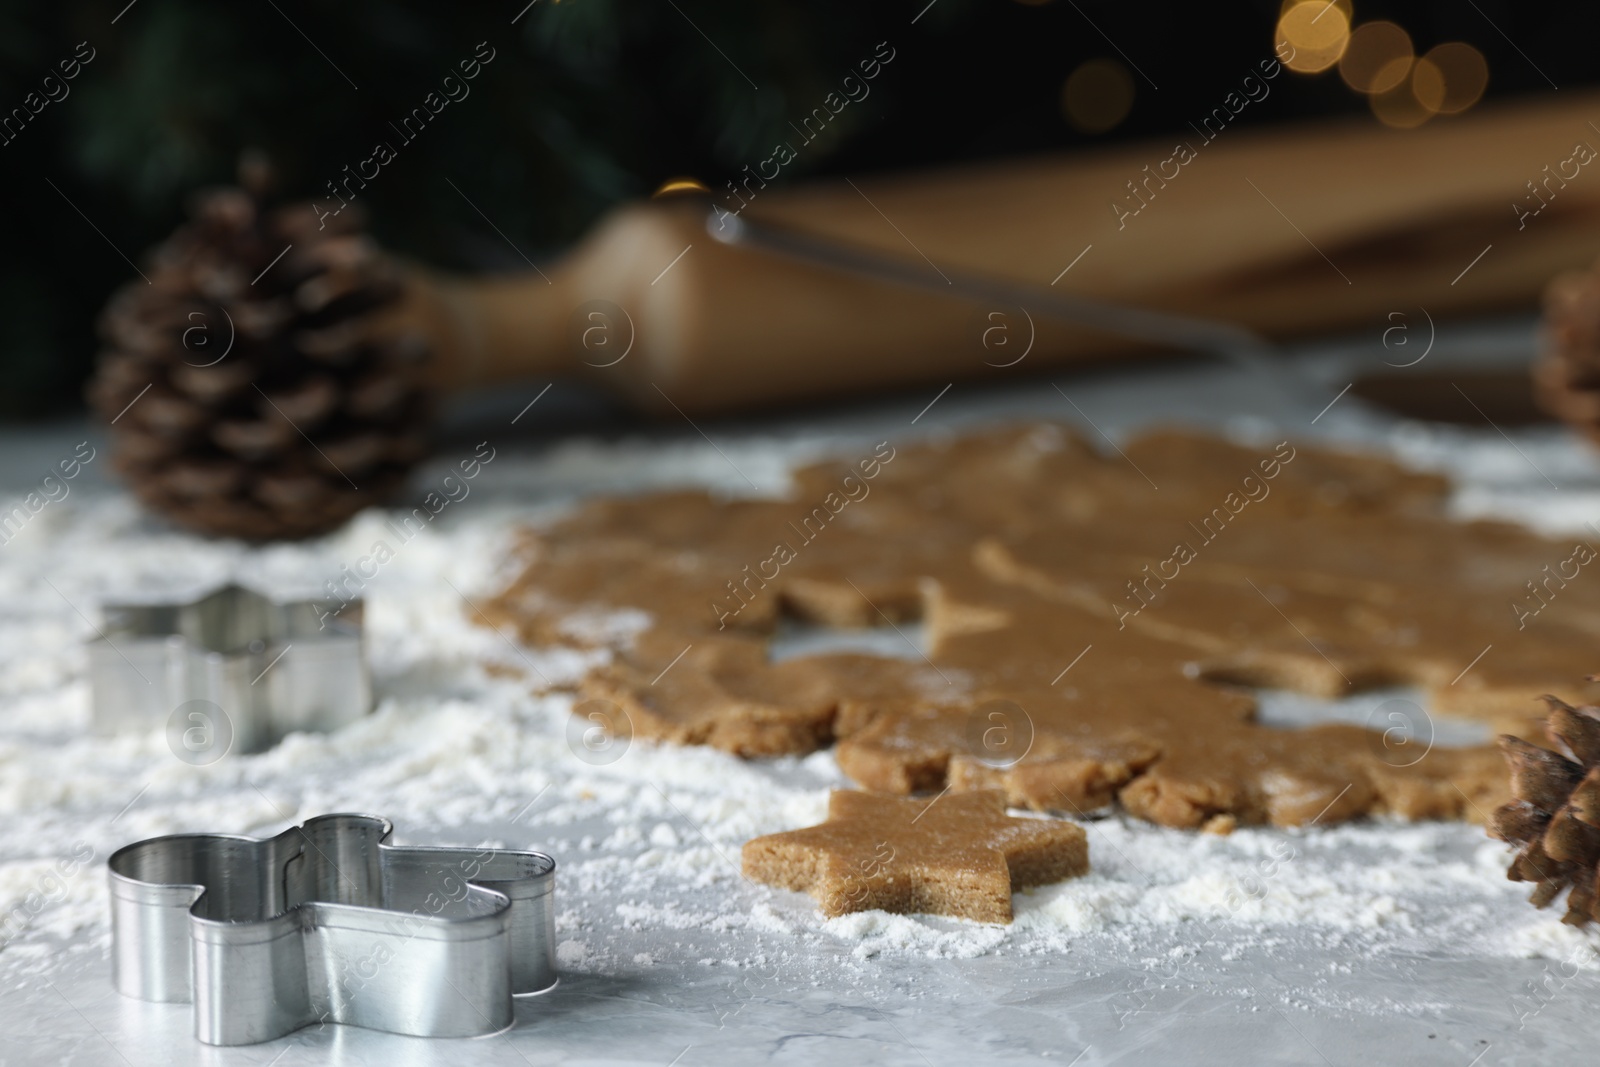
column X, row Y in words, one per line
column 1316, row 33
column 1097, row 96
column 1400, row 108
column 1342, row 5
column 1451, row 78
column 1378, row 58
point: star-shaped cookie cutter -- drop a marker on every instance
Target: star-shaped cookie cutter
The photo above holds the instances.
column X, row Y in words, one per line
column 327, row 922
column 269, row 666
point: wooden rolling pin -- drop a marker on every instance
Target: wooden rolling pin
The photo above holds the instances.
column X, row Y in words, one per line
column 1285, row 231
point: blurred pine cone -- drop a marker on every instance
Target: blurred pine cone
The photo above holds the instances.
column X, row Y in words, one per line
column 246, row 395
column 1566, row 377
column 1555, row 816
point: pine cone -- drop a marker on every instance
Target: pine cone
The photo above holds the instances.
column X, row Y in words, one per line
column 1566, row 377
column 246, row 395
column 1555, row 818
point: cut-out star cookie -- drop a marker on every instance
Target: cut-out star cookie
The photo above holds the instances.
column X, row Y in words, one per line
column 958, row 854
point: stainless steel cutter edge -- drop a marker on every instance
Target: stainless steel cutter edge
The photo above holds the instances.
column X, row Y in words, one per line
column 327, row 922
column 271, row 666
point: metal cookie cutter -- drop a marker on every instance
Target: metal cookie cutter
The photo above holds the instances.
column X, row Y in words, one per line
column 328, row 922
column 272, row 667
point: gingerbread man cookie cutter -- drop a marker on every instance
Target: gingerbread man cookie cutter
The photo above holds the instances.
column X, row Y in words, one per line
column 327, row 922
column 233, row 669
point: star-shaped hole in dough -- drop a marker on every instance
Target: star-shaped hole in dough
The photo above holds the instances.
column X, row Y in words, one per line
column 958, row 854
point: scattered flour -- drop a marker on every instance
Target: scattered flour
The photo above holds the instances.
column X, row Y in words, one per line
column 649, row 844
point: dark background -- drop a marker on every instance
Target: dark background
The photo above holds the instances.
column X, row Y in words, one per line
column 587, row 102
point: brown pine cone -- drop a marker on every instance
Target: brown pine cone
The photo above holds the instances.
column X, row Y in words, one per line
column 1555, row 816
column 1566, row 377
column 246, row 396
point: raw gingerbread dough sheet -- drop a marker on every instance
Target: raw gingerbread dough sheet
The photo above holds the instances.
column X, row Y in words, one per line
column 1369, row 941
column 1197, row 565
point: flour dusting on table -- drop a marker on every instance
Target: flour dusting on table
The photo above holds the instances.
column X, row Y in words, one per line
column 459, row 750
